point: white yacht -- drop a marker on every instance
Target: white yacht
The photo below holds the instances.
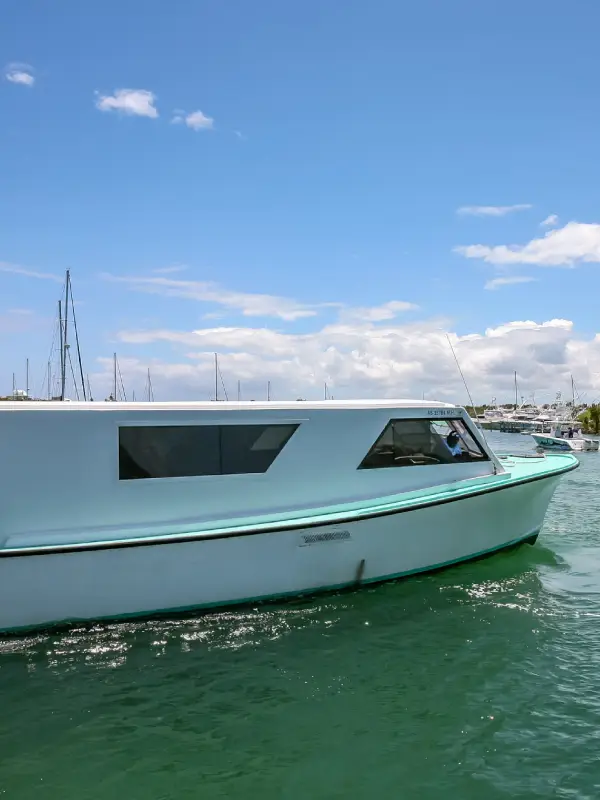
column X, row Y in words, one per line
column 114, row 510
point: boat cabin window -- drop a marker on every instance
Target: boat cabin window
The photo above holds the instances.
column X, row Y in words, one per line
column 176, row 451
column 420, row 442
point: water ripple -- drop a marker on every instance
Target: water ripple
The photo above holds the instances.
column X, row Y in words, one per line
column 480, row 681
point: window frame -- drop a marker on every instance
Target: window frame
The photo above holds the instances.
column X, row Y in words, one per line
column 428, row 461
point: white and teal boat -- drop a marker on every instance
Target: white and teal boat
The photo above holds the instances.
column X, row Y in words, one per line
column 564, row 436
column 112, row 510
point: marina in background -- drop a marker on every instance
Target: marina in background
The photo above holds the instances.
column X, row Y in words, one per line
column 65, row 380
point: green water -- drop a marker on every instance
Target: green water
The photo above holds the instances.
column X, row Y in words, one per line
column 482, row 681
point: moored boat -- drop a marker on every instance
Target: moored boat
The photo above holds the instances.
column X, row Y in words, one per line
column 565, row 436
column 111, row 510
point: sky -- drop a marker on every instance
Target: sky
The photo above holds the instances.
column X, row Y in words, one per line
column 322, row 192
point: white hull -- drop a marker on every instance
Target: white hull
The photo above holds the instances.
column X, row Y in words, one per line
column 118, row 581
column 557, row 443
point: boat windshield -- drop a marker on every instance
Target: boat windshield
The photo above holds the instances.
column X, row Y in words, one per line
column 419, row 442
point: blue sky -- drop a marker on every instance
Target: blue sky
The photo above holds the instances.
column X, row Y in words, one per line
column 331, row 158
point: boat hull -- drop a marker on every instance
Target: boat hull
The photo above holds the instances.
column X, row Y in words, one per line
column 139, row 579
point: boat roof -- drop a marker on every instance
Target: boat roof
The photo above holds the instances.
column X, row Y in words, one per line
column 246, row 405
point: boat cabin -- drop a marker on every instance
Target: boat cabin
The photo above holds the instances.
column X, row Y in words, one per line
column 77, row 470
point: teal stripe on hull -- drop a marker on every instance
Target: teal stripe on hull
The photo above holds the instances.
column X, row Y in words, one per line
column 342, row 515
column 528, row 538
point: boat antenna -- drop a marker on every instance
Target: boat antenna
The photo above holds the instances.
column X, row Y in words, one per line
column 461, row 374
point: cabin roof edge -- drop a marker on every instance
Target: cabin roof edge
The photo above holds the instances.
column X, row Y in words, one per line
column 101, row 406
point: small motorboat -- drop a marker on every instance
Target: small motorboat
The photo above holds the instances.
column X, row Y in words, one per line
column 565, row 437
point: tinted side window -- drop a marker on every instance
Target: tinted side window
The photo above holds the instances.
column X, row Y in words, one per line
column 252, row 448
column 173, row 451
column 168, row 451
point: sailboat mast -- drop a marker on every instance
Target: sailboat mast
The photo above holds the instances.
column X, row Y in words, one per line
column 115, row 377
column 27, row 379
column 63, row 377
column 239, row 396
column 49, row 380
column 216, row 378
column 268, row 391
column 61, row 338
column 516, row 392
column 572, row 394
column 70, row 290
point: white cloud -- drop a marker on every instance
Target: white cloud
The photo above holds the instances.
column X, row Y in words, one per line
column 199, row 121
column 495, row 283
column 19, row 73
column 29, row 273
column 136, row 102
column 576, row 242
column 380, row 313
column 366, row 360
column 196, row 120
column 492, row 211
column 170, row 270
column 509, row 327
column 250, row 305
column 23, row 78
column 550, row 222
